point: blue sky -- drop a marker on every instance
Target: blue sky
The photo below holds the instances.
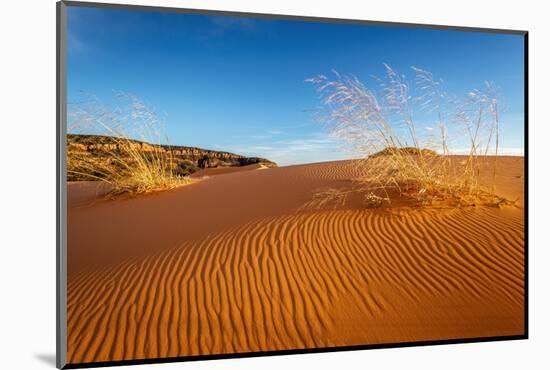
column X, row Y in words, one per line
column 237, row 84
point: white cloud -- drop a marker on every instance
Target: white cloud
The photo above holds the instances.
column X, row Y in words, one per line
column 312, row 148
column 501, row 151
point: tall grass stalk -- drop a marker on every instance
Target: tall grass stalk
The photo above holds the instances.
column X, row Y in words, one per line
column 122, row 156
column 394, row 154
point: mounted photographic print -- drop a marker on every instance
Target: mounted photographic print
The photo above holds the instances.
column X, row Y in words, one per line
column 235, row 184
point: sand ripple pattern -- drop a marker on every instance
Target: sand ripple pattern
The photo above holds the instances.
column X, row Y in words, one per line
column 327, row 171
column 290, row 282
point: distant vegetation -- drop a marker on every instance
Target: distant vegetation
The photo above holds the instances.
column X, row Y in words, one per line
column 404, row 151
column 395, row 154
column 101, row 146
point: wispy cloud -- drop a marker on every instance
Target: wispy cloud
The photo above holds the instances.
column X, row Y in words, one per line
column 316, row 147
column 501, row 151
column 76, row 45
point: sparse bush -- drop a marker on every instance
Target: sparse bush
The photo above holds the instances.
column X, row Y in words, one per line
column 395, row 155
column 125, row 158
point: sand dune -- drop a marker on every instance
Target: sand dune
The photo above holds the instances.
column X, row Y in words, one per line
column 233, row 264
column 229, row 169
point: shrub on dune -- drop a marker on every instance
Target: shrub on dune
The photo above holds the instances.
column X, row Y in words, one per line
column 124, row 158
column 397, row 156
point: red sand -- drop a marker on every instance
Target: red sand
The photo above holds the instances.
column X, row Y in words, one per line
column 232, row 263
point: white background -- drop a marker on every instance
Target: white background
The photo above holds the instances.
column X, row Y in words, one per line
column 27, row 183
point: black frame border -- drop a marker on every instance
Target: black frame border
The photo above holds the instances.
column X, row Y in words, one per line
column 61, row 247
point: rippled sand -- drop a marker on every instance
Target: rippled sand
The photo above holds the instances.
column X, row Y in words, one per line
column 234, row 263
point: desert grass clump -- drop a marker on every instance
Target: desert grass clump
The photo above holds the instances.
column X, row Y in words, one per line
column 397, row 157
column 119, row 146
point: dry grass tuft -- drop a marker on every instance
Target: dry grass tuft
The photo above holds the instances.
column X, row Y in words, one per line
column 395, row 155
column 406, row 150
column 126, row 161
